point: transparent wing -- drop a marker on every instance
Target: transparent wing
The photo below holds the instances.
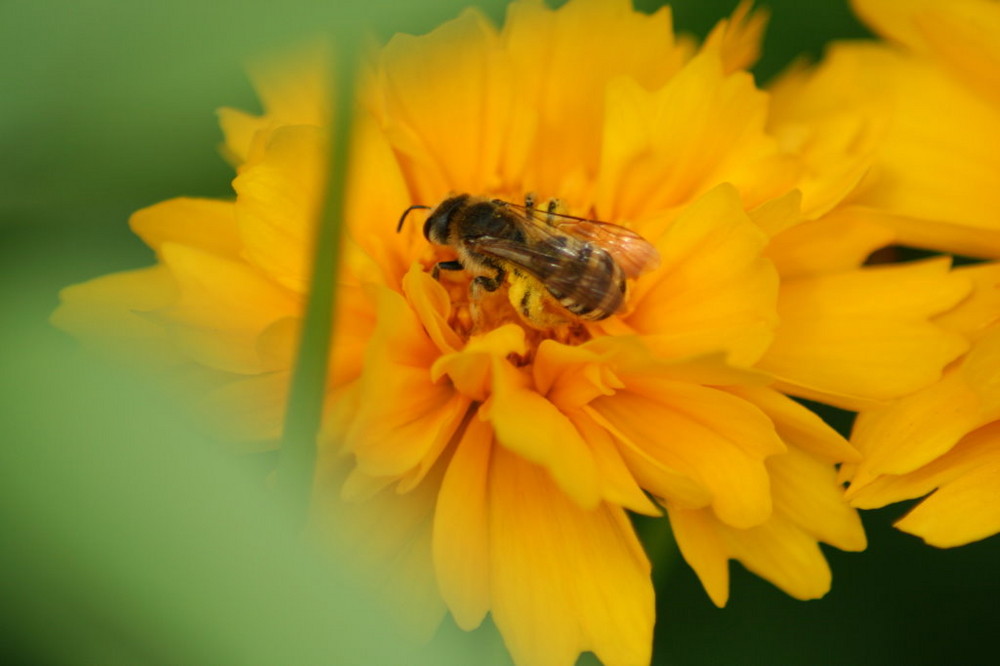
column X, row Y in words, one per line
column 631, row 251
column 548, row 263
column 540, row 260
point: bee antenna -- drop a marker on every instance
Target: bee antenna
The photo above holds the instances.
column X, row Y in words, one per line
column 399, row 227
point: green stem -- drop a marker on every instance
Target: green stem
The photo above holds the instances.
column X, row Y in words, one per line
column 297, row 461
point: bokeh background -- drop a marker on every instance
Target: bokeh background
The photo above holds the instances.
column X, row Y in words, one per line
column 124, row 539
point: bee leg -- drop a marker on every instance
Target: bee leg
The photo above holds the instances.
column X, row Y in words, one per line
column 477, row 287
column 529, row 203
column 445, row 266
column 481, row 282
column 552, row 207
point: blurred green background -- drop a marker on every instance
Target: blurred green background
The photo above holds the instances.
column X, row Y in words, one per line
column 108, row 107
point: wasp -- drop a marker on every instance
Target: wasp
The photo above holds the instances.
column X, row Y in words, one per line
column 579, row 263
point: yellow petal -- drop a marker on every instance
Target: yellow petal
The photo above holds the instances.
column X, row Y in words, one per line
column 963, row 36
column 404, row 418
column 222, row 308
column 739, row 37
column 703, row 549
column 713, row 291
column 387, row 542
column 206, row 224
column 471, row 369
column 714, row 438
column 833, row 130
column 864, row 335
column 966, row 506
column 808, row 507
column 451, row 145
column 250, row 411
column 649, row 469
column 107, row 313
column 461, row 528
column 834, row 243
column 618, row 484
column 432, row 306
column 909, row 180
column 279, row 194
column 555, row 50
column 934, row 181
column 778, row 214
column 916, row 429
column 564, row 579
column 630, row 355
column 374, row 205
column 785, row 555
column 294, row 89
column 807, row 493
column 797, row 425
column 531, row 426
column 975, row 316
column 647, row 165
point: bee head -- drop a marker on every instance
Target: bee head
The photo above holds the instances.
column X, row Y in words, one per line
column 438, row 222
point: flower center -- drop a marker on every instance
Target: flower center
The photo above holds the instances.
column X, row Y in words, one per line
column 475, row 311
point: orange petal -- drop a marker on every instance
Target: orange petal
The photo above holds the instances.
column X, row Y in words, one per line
column 714, row 438
column 564, row 579
column 404, row 417
column 650, row 471
column 618, row 485
column 433, row 307
column 531, row 426
column 471, row 369
column 571, row 376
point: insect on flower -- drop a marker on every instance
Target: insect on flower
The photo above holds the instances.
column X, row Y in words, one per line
column 542, row 255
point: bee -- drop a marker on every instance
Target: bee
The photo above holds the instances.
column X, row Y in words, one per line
column 543, row 256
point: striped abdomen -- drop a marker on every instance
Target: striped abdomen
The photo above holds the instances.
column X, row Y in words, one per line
column 591, row 287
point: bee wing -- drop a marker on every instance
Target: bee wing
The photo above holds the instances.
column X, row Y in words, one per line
column 631, row 251
column 541, row 260
column 546, row 263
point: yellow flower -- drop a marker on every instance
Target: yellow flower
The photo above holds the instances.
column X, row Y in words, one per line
column 945, row 438
column 935, row 179
column 490, row 463
column 935, row 183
